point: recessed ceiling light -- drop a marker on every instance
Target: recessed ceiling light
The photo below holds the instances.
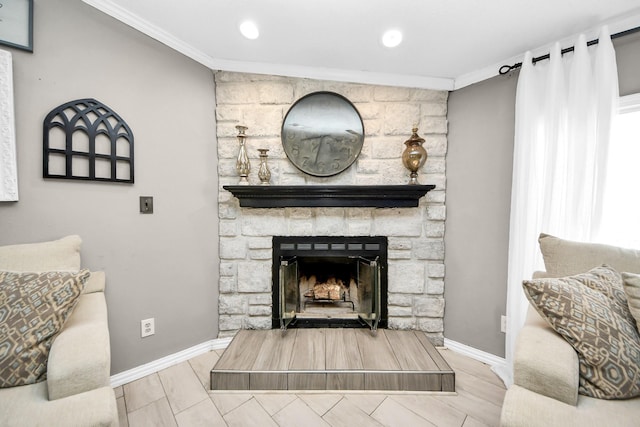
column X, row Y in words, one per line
column 249, row 29
column 392, row 38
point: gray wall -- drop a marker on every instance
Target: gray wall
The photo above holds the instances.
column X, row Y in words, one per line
column 163, row 265
column 479, row 169
column 628, row 60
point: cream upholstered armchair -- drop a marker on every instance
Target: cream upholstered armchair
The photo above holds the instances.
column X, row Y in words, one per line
column 588, row 298
column 54, row 338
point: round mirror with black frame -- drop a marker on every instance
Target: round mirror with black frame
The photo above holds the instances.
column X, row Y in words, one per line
column 322, row 134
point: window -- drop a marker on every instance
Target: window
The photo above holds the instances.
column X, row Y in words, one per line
column 621, row 219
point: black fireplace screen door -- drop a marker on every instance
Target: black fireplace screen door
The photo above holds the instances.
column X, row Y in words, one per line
column 289, row 291
column 369, row 291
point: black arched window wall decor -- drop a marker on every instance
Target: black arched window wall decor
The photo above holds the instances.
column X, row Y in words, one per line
column 86, row 140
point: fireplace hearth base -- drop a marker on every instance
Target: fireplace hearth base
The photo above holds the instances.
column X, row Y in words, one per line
column 332, row 359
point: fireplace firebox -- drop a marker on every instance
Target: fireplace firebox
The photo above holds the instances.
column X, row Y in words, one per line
column 329, row 282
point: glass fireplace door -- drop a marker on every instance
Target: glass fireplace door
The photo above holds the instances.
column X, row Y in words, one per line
column 289, row 291
column 369, row 291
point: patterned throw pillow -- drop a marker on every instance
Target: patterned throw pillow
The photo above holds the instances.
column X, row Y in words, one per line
column 33, row 309
column 587, row 311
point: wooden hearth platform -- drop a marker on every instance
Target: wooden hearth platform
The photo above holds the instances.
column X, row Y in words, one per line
column 332, row 359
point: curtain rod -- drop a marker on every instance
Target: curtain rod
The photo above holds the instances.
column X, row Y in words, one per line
column 506, row 68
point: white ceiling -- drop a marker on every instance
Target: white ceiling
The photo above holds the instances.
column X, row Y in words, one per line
column 447, row 44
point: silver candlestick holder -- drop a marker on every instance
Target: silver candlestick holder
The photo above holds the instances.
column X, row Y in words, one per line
column 263, row 172
column 243, row 165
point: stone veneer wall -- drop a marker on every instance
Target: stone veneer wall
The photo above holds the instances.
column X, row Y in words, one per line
column 416, row 235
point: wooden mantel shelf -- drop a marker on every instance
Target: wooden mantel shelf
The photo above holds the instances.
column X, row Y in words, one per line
column 280, row 196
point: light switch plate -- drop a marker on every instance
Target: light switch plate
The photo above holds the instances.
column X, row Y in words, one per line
column 146, row 204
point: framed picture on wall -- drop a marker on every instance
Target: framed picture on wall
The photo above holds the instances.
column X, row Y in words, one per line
column 16, row 24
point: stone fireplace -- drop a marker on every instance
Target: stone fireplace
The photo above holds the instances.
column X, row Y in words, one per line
column 414, row 235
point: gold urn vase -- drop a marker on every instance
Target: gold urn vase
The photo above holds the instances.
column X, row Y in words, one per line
column 414, row 155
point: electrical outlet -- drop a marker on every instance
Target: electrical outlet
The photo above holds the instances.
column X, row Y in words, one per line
column 147, row 327
column 503, row 324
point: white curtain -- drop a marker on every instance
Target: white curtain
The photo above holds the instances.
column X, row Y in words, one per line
column 564, row 109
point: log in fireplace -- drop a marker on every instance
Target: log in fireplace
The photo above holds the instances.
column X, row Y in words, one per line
column 329, row 282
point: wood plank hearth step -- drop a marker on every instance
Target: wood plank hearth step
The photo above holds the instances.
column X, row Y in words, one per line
column 332, row 359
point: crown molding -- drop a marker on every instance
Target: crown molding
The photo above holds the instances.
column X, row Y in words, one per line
column 168, row 39
column 367, row 77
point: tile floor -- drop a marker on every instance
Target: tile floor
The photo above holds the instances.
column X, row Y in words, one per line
column 180, row 396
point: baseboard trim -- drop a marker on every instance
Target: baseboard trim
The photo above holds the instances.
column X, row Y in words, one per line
column 497, row 363
column 167, row 361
